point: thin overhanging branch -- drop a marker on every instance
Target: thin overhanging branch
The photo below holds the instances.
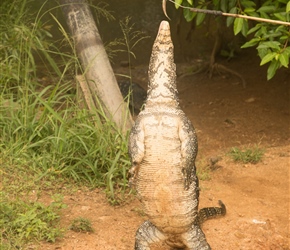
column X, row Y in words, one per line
column 220, row 13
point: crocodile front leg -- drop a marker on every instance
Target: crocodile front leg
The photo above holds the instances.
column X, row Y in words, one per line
column 188, row 141
column 133, row 174
column 136, row 149
column 146, row 235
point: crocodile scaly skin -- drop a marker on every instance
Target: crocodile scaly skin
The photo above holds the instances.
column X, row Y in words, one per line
column 163, row 148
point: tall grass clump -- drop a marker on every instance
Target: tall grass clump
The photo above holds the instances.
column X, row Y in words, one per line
column 43, row 129
column 47, row 139
column 247, row 155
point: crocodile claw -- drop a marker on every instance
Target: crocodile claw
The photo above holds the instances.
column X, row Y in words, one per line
column 133, row 172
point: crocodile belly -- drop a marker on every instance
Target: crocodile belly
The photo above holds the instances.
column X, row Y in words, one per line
column 160, row 185
column 160, row 180
column 170, row 207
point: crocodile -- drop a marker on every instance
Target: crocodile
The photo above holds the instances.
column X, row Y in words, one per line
column 162, row 148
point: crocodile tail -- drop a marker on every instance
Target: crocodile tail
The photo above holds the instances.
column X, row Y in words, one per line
column 208, row 213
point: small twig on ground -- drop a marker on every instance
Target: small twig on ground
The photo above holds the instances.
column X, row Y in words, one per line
column 219, row 67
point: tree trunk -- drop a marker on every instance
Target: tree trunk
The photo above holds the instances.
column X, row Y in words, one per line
column 95, row 62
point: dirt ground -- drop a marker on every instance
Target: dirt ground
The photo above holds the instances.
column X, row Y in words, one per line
column 225, row 115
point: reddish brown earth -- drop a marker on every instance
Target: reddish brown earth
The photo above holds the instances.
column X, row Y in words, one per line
column 256, row 195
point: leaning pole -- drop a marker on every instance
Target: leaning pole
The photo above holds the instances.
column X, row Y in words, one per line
column 98, row 73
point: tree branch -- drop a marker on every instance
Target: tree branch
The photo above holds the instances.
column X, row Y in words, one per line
column 220, row 13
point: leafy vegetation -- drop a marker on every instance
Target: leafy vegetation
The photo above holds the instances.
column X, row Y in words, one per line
column 247, row 155
column 203, row 170
column 81, row 225
column 23, row 221
column 44, row 126
column 46, row 136
column 271, row 40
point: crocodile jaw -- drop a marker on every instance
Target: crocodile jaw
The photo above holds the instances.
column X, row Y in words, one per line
column 162, row 70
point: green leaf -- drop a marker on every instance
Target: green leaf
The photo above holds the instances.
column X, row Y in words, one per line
column 283, row 1
column 230, row 20
column 254, row 29
column 272, row 69
column 215, row 3
column 250, row 43
column 224, row 6
column 282, row 39
column 284, row 59
column 232, row 4
column 188, row 15
column 199, row 18
column 255, row 14
column 190, row 2
column 267, row 9
column 272, row 34
column 264, row 15
column 245, row 27
column 287, row 50
column 281, row 16
column 269, row 44
column 268, row 58
column 263, row 52
column 238, row 25
column 288, row 7
column 261, row 32
column 249, row 10
column 248, row 4
column 283, row 29
column 178, row 3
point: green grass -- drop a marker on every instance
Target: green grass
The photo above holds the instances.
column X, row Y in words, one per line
column 47, row 139
column 23, row 221
column 203, row 171
column 246, row 155
column 44, row 127
column 81, row 224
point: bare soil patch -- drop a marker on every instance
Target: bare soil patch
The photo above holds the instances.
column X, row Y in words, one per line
column 225, row 115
